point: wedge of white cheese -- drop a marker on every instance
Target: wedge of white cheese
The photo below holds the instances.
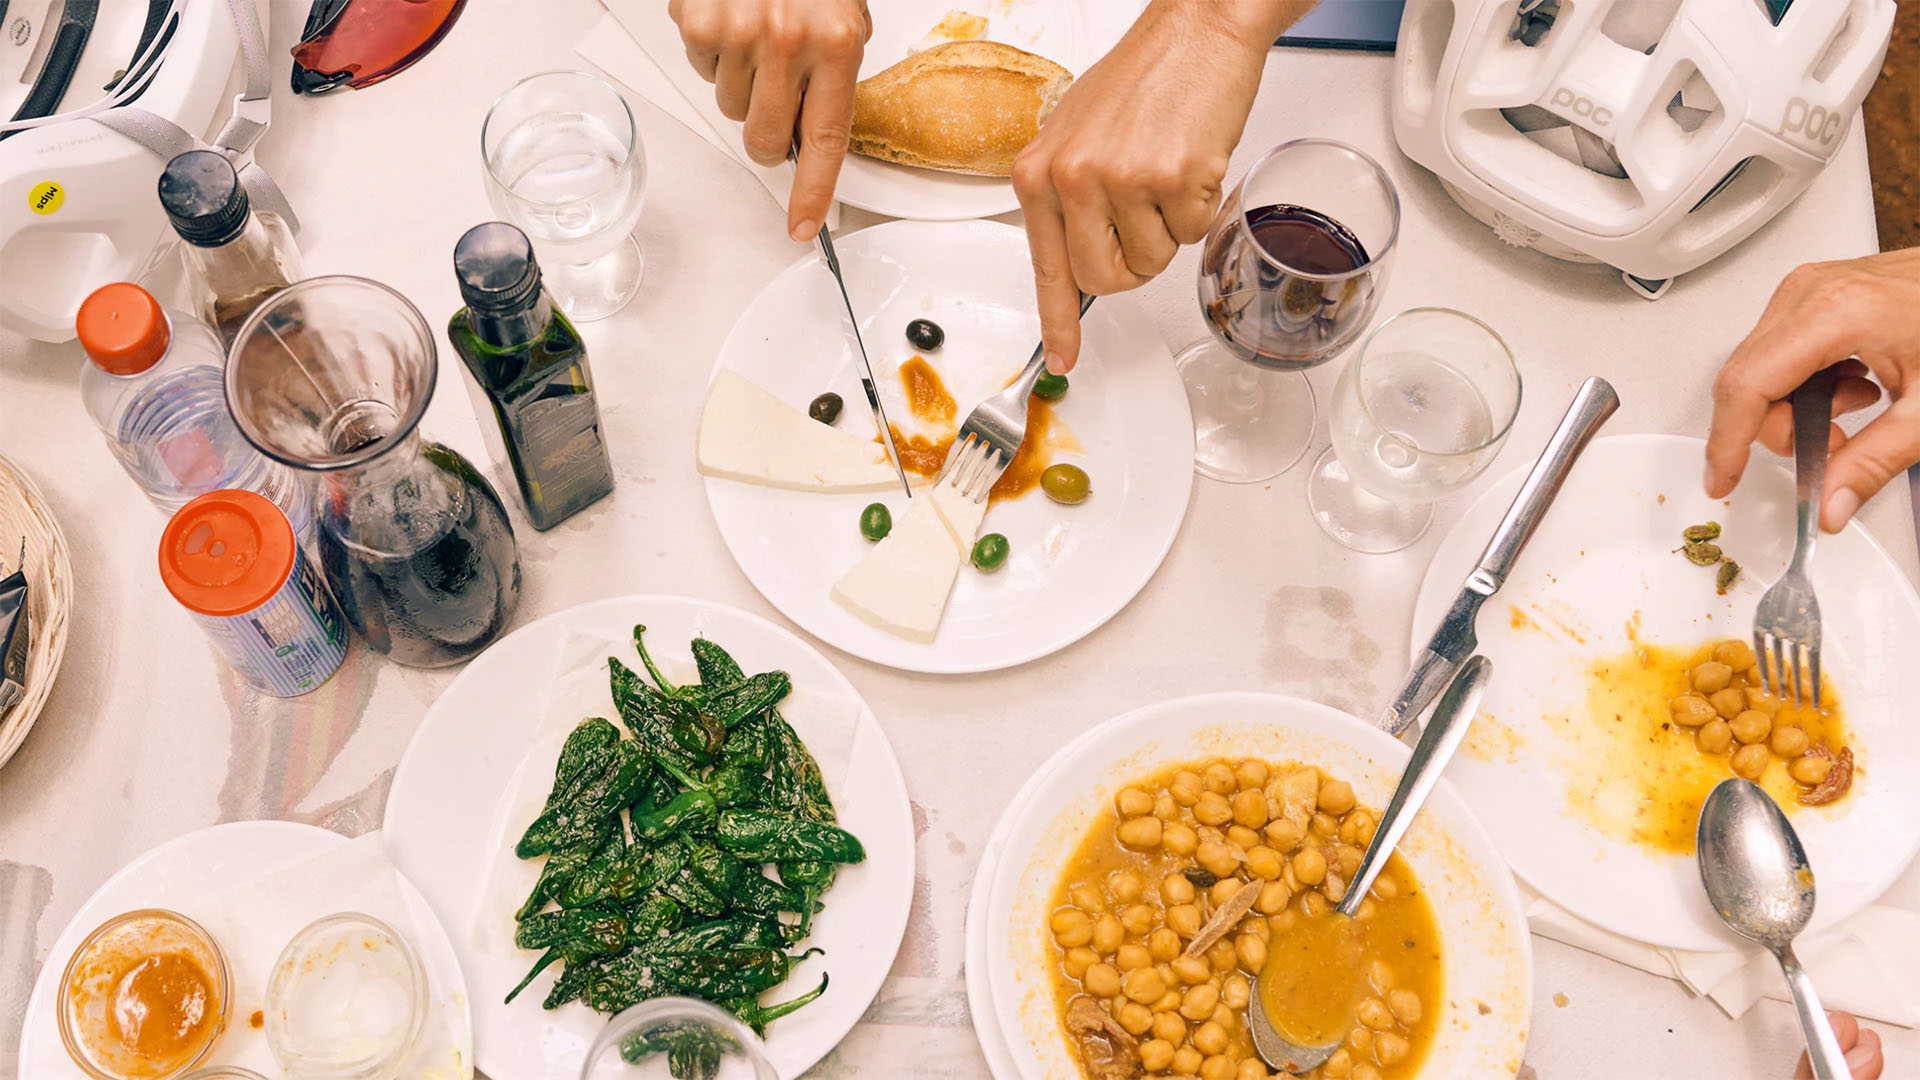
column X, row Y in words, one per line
column 901, row 585
column 749, row 435
column 961, row 515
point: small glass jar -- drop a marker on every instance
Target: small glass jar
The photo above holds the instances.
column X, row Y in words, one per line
column 347, row 1000
column 133, row 986
column 223, row 1072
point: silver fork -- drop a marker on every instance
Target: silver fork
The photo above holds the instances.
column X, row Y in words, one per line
column 1786, row 625
column 986, row 443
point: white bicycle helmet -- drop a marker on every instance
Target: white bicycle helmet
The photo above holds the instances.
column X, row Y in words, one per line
column 1651, row 135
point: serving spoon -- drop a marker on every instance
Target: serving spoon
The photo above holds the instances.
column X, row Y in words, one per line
column 1759, row 883
column 1448, row 725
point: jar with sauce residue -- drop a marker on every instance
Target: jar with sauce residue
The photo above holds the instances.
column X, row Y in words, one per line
column 145, row 997
column 346, row 1001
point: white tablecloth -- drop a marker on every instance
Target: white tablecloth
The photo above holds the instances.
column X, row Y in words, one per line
column 147, row 736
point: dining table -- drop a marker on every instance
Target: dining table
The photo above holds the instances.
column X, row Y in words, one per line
column 147, row 735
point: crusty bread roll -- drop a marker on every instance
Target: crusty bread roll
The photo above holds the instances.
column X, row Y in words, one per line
column 966, row 107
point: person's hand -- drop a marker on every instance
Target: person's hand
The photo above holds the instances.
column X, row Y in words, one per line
column 1129, row 165
column 1823, row 314
column 778, row 63
column 1861, row 1046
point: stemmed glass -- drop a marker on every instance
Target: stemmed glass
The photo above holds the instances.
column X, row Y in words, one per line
column 1421, row 410
column 1289, row 276
column 676, row 1039
column 565, row 163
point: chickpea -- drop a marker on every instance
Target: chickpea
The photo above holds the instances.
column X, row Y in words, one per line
column 1691, row 710
column 1185, row 920
column 1088, row 898
column 1192, row 970
column 1251, row 923
column 1710, row 677
column 1209, row 1038
column 1314, row 903
column 1169, row 1028
column 1729, row 703
column 1163, row 945
column 1385, row 888
column 1325, row 824
column 1071, row 927
column 1139, row 833
column 1364, row 1071
column 1156, row 1055
column 1282, row 922
column 1145, row 984
column 1367, row 909
column 1250, row 809
column 1273, row 897
column 1130, row 958
column 1788, row 741
column 1265, row 863
column 1759, row 699
column 1223, row 956
column 1405, row 1005
column 1133, row 802
column 1714, row 736
column 1364, row 834
column 1242, row 837
column 1165, row 808
column 1176, row 889
column 1339, row 1065
column 1219, row 1067
column 1752, row 726
column 1750, row 761
column 1810, row 769
column 1185, row 787
column 1199, row 1002
column 1236, row 992
column 1360, row 1040
column 1285, row 834
column 1213, row 809
column 1078, row 960
column 1346, row 859
column 1223, row 890
column 1251, row 1069
column 1217, row 858
column 1357, row 824
column 1390, row 1049
column 1374, row 1013
column 1336, row 797
column 1737, row 655
column 1169, row 1002
column 1310, row 866
column 1219, row 778
column 1101, row 980
column 1134, row 1018
column 1137, row 919
column 1107, row 935
column 1253, row 953
column 1186, row 1061
column 1178, row 839
column 1251, row 774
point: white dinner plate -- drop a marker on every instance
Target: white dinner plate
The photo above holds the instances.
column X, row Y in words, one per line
column 1483, row 934
column 446, row 799
column 180, row 875
column 1071, row 33
column 1071, row 567
column 1606, row 555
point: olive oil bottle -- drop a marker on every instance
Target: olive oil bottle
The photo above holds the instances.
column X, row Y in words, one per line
column 528, row 364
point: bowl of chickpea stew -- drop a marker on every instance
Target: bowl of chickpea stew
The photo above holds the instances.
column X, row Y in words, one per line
column 1156, row 865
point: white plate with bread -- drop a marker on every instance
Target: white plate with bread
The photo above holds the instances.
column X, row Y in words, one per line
column 950, row 94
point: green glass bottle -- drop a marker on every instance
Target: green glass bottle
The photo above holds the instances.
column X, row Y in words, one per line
column 528, row 364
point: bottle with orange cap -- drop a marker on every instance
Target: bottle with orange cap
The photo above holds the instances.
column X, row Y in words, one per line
column 156, row 389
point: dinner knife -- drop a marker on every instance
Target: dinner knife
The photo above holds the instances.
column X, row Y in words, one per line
column 866, row 368
column 1455, row 640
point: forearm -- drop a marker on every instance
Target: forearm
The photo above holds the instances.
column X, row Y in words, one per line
column 1251, row 23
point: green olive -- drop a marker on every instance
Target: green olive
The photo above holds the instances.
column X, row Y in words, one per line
column 1066, row 484
column 990, row 552
column 1050, row 387
column 876, row 522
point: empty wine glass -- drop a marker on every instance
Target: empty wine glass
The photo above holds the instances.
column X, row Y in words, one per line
column 565, row 163
column 1421, row 410
column 676, row 1039
column 1290, row 274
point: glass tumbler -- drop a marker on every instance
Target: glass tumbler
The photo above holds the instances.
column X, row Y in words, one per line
column 676, row 1039
column 331, row 377
column 1289, row 276
column 565, row 163
column 1421, row 410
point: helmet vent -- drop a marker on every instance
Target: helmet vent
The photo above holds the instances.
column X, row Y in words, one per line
column 1566, row 140
column 1532, row 19
column 1639, row 24
column 1424, row 31
column 1843, row 43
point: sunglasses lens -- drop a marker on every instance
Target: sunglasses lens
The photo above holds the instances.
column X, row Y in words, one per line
column 360, row 42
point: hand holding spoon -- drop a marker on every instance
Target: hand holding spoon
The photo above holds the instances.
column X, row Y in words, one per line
column 1759, row 883
column 1448, row 726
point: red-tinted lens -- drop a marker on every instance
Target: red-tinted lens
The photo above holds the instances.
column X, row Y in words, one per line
column 372, row 39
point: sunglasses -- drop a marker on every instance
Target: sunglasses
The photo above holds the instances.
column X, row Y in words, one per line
column 357, row 43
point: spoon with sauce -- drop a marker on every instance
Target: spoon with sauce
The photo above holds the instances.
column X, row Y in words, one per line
column 1759, row 883
column 1304, row 1000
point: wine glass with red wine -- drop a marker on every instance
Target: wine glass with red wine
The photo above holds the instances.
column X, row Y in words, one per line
column 1290, row 275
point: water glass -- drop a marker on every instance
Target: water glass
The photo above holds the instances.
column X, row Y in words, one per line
column 1289, row 276
column 1422, row 410
column 565, row 163
column 676, row 1039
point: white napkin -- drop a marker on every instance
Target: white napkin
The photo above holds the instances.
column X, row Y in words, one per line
column 1868, row 965
column 637, row 43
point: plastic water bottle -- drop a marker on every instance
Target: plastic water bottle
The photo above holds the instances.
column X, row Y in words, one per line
column 156, row 388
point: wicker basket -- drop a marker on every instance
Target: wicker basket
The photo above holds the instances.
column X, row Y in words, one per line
column 24, row 515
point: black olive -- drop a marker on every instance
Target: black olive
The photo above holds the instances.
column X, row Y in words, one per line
column 925, row 335
column 825, row 408
column 1201, row 877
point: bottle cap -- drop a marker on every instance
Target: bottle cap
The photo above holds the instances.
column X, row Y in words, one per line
column 495, row 266
column 204, row 198
column 123, row 329
column 226, row 553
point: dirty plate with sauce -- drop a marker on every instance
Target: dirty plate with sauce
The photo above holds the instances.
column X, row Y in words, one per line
column 1612, row 718
column 1072, row 845
column 1069, row 568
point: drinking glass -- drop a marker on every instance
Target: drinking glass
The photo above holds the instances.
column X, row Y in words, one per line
column 565, row 163
column 1290, row 274
column 676, row 1039
column 1422, row 410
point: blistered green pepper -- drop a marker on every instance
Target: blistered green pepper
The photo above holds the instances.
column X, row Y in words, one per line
column 690, row 811
column 760, row 836
column 585, row 816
